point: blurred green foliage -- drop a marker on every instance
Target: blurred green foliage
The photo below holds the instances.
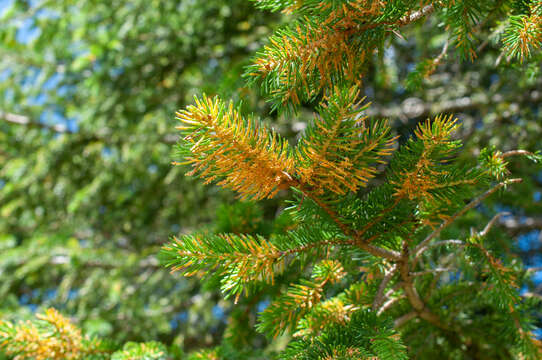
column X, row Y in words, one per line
column 87, row 95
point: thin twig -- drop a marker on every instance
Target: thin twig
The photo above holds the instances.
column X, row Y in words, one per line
column 25, row 120
column 534, row 269
column 430, row 271
column 373, row 250
column 380, row 252
column 417, row 15
column 442, row 54
column 516, row 225
column 461, row 212
column 404, row 319
column 62, row 259
column 405, row 110
column 492, row 222
column 405, row 20
column 332, row 214
column 532, row 295
column 389, row 304
column 383, row 285
column 436, row 244
column 516, row 152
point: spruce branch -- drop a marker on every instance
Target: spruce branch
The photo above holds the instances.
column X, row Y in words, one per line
column 461, row 18
column 286, row 311
column 419, row 170
column 325, row 207
column 365, row 336
column 329, row 45
column 50, row 337
column 334, row 310
column 324, row 54
column 379, row 217
column 241, row 259
column 339, row 151
column 246, row 157
column 524, row 33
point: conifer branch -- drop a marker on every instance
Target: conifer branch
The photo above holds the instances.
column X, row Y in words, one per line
column 330, row 311
column 340, row 149
column 365, row 336
column 380, row 216
column 241, row 259
column 327, row 209
column 332, row 49
column 51, row 337
column 318, row 244
column 323, row 54
column 220, row 144
column 285, row 312
column 524, row 33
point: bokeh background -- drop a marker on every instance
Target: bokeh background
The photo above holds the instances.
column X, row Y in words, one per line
column 88, row 194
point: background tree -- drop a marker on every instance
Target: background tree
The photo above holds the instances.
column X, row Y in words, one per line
column 87, row 191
